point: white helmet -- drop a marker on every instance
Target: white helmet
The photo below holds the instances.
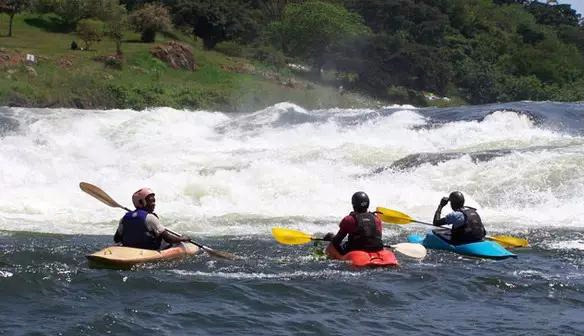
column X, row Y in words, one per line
column 139, row 197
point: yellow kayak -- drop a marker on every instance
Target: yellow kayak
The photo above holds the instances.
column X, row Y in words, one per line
column 126, row 257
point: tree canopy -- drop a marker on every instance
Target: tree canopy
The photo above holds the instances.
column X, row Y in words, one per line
column 481, row 51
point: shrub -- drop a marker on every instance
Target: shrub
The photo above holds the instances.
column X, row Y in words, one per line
column 90, row 31
column 149, row 20
column 230, row 48
column 269, row 56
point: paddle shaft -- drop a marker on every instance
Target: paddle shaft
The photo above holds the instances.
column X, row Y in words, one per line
column 102, row 196
column 206, row 248
column 425, row 223
column 396, row 217
column 487, row 237
column 328, row 240
column 177, row 234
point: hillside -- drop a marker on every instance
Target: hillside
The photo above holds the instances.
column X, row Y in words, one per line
column 62, row 77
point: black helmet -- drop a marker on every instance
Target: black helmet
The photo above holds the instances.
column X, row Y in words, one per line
column 360, row 201
column 456, row 199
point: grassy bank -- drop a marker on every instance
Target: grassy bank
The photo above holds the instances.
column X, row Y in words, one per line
column 72, row 78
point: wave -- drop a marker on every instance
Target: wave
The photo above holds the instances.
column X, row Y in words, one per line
column 214, row 172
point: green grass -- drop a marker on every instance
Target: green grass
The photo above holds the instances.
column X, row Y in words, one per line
column 72, row 78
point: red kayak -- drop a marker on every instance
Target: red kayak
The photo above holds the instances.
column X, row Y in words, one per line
column 383, row 258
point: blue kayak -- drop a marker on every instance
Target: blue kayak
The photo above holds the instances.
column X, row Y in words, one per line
column 482, row 249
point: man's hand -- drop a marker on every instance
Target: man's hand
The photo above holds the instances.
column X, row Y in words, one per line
column 329, row 236
column 443, row 201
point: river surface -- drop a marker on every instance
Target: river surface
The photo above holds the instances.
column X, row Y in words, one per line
column 227, row 179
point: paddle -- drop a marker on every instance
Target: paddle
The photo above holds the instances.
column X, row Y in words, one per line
column 106, row 199
column 396, row 217
column 295, row 237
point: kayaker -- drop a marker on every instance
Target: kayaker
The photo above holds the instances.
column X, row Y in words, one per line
column 467, row 226
column 363, row 227
column 141, row 228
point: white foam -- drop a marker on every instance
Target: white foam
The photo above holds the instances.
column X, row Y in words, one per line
column 279, row 276
column 568, row 245
column 217, row 173
column 6, row 274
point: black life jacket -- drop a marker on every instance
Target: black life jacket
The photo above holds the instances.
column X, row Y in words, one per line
column 366, row 237
column 136, row 234
column 473, row 229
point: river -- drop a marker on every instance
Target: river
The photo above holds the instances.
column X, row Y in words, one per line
column 226, row 179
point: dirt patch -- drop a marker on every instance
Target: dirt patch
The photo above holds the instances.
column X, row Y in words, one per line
column 175, row 54
column 64, row 62
column 244, row 68
column 10, row 58
column 111, row 61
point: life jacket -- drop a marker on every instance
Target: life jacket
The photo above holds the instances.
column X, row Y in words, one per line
column 136, row 234
column 473, row 229
column 366, row 237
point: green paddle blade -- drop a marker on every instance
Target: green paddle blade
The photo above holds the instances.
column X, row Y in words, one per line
column 290, row 237
column 509, row 241
column 393, row 216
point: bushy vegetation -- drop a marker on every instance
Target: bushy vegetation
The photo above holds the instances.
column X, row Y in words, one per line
column 101, row 78
column 150, row 19
column 477, row 51
column 481, row 51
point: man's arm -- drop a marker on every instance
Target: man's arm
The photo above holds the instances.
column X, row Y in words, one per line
column 338, row 239
column 172, row 239
column 159, row 230
column 118, row 234
column 345, row 227
column 437, row 220
column 334, row 249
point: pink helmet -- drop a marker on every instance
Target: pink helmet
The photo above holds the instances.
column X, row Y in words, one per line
column 139, row 197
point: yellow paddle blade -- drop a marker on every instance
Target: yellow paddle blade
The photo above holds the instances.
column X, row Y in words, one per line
column 393, row 216
column 290, row 237
column 509, row 241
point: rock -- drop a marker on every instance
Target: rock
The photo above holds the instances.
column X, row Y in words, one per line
column 175, row 54
column 290, row 82
column 10, row 58
column 4, row 57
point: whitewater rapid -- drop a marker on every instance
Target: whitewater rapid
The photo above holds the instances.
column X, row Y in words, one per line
column 241, row 174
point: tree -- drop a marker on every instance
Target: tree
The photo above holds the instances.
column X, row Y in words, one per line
column 271, row 9
column 90, row 31
column 149, row 20
column 11, row 7
column 116, row 19
column 554, row 14
column 512, row 2
column 70, row 11
column 311, row 30
column 215, row 21
column 43, row 6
